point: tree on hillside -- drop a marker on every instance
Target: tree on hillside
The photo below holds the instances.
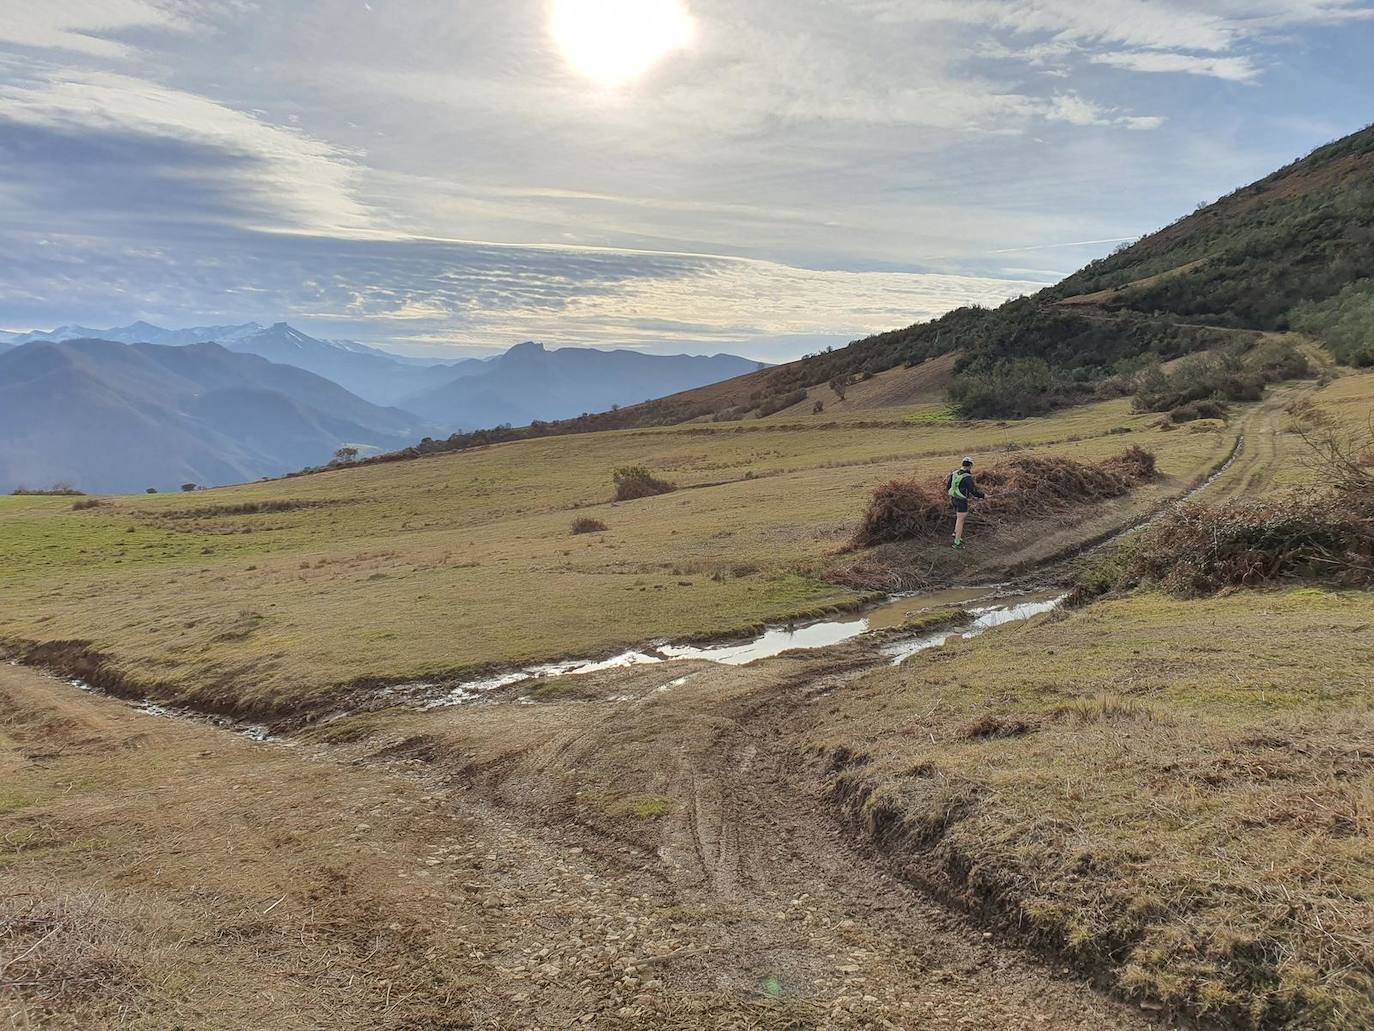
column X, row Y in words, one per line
column 345, row 454
column 188, row 487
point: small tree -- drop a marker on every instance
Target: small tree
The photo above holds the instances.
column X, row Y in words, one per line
column 839, row 384
column 345, row 454
column 817, row 408
column 188, row 487
column 151, row 490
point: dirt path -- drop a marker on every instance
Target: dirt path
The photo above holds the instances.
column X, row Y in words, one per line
column 1267, row 447
column 158, row 873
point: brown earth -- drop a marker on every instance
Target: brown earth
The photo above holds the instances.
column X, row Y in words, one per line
column 656, row 862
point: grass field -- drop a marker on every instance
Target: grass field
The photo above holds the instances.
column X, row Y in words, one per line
column 467, row 560
column 1179, row 792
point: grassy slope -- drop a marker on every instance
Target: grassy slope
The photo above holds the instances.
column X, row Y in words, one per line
column 1176, row 793
column 1178, row 790
column 466, row 560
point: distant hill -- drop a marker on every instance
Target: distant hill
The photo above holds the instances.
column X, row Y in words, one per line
column 371, row 373
column 109, row 417
column 530, row 383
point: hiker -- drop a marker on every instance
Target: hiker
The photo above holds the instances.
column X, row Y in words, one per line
column 961, row 487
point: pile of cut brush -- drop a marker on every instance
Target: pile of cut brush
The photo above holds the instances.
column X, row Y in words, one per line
column 1202, row 550
column 1022, row 488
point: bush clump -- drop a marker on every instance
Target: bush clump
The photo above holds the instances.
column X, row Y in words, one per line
column 634, row 482
column 57, row 490
column 1021, row 488
column 587, row 525
column 1201, row 550
column 1208, row 408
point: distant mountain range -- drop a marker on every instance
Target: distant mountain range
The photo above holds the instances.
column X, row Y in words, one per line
column 375, row 375
column 112, row 418
column 530, row 382
column 138, row 406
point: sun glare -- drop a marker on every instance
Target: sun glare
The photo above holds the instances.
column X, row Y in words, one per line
column 614, row 42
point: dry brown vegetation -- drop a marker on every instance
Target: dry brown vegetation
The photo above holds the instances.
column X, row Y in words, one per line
column 634, row 482
column 586, row 524
column 1202, row 549
column 1022, row 488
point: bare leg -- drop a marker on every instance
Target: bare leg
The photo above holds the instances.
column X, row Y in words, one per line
column 959, row 526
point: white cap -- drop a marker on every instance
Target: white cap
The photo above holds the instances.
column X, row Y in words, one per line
column 968, row 461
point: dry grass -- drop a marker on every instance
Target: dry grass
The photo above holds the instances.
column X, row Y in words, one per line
column 1177, row 794
column 1021, row 489
column 65, row 950
column 1201, row 549
column 418, row 569
column 587, row 525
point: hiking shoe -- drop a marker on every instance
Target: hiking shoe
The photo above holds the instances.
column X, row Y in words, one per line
column 958, row 545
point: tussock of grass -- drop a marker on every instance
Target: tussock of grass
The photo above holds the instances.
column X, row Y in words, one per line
column 640, row 807
column 67, row 948
column 1176, row 795
column 586, row 524
column 1020, row 488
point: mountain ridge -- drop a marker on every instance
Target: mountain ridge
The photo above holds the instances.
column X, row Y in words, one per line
column 110, row 417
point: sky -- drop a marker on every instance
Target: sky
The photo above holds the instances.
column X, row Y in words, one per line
column 763, row 177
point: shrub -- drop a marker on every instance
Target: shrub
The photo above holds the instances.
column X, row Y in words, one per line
column 57, row 490
column 1022, row 488
column 1208, row 408
column 633, row 482
column 779, row 402
column 586, row 525
column 88, row 503
column 1009, row 388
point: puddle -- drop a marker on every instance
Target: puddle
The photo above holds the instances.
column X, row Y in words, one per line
column 890, row 616
column 474, row 689
column 995, row 609
column 984, row 620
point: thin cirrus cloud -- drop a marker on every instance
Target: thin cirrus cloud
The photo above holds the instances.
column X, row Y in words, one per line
column 1234, row 69
column 85, row 26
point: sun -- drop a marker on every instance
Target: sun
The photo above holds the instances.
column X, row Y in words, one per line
column 614, row 42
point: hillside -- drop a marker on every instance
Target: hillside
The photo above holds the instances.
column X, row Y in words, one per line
column 112, row 417
column 1293, row 251
column 531, row 383
column 1271, row 256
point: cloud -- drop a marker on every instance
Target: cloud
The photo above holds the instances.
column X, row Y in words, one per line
column 83, row 26
column 1071, row 108
column 268, row 171
column 426, row 291
column 1196, row 25
column 1233, row 69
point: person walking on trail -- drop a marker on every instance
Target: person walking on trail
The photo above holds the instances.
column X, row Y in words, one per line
column 961, row 487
